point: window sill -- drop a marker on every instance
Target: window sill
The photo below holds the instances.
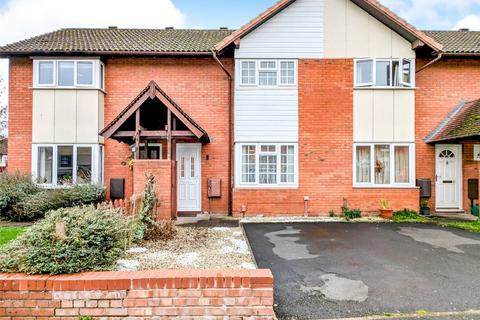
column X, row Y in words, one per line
column 68, row 88
column 256, row 187
column 385, row 88
column 356, row 186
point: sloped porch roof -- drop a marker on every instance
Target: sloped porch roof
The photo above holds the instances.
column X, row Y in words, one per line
column 152, row 91
column 463, row 122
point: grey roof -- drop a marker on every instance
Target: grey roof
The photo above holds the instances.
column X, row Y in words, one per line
column 463, row 122
column 119, row 41
column 457, row 42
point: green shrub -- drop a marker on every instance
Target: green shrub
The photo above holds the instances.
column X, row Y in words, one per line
column 68, row 240
column 407, row 215
column 13, row 189
column 351, row 214
column 35, row 206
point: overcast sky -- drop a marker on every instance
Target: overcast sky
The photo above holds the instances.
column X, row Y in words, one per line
column 20, row 19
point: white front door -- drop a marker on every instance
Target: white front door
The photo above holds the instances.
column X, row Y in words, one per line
column 189, row 190
column 448, row 178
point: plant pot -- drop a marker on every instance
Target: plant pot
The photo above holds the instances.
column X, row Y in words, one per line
column 386, row 213
column 425, row 211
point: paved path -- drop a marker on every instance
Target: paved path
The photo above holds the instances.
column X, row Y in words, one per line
column 341, row 270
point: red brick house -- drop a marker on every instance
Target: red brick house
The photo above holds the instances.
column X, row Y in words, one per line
column 312, row 105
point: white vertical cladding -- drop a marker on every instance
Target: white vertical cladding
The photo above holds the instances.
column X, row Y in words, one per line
column 295, row 32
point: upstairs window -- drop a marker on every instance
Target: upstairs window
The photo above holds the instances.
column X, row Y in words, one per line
column 384, row 73
column 69, row 73
column 268, row 73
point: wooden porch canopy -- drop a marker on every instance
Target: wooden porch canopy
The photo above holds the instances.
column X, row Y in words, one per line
column 153, row 115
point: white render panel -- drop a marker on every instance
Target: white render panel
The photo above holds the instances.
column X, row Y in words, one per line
column 295, row 32
column 363, row 115
column 67, row 116
column 43, row 116
column 350, row 32
column 266, row 115
column 404, row 130
column 384, row 115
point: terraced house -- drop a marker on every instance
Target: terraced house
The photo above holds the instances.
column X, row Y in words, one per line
column 312, row 105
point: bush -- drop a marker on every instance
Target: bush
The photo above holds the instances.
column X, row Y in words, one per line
column 13, row 189
column 406, row 216
column 35, row 206
column 68, row 241
column 161, row 231
column 351, row 214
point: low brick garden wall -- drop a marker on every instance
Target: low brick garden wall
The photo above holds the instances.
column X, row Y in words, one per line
column 165, row 294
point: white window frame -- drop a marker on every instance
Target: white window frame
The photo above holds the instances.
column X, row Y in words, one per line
column 241, row 71
column 96, row 163
column 392, row 184
column 372, row 84
column 277, row 69
column 97, row 83
column 256, row 184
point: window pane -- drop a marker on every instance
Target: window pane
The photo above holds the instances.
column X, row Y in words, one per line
column 396, row 73
column 65, row 73
column 248, row 164
column 364, row 164
column 407, row 71
column 182, row 167
column 85, row 73
column 364, row 72
column 267, row 78
column 402, row 165
column 100, row 166
column 383, row 73
column 268, row 169
column 268, row 148
column 248, row 72
column 45, row 165
column 45, row 72
column 382, row 164
column 287, row 162
column 287, row 72
column 102, row 76
column 192, row 167
column 65, row 165
column 84, row 165
column 268, row 64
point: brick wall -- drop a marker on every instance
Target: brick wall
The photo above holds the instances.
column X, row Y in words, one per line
column 169, row 294
column 20, row 106
column 440, row 88
column 199, row 86
column 162, row 170
column 325, row 151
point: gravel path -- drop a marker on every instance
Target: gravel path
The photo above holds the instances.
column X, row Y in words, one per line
column 200, row 246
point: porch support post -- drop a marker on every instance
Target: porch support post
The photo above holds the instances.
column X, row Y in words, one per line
column 169, row 134
column 137, row 134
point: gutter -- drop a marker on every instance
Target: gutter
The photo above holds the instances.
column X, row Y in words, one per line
column 440, row 56
column 230, row 132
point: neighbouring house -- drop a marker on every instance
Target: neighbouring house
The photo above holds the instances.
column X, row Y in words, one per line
column 3, row 154
column 312, row 105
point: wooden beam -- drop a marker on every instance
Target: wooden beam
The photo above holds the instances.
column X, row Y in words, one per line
column 154, row 134
column 169, row 134
column 137, row 133
column 111, row 131
column 180, row 116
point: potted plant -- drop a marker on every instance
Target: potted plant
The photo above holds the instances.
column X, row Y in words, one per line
column 424, row 209
column 385, row 211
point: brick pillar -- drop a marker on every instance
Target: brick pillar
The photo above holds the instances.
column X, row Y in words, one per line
column 164, row 172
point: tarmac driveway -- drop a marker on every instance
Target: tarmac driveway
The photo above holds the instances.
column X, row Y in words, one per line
column 340, row 270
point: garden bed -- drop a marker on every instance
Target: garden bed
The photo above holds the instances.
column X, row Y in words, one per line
column 210, row 244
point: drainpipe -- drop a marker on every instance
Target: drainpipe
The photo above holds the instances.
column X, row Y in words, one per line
column 440, row 55
column 230, row 132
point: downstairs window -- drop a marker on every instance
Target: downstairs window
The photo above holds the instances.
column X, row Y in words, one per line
column 64, row 165
column 384, row 165
column 267, row 165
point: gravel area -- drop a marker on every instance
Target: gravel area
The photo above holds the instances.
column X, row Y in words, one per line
column 208, row 245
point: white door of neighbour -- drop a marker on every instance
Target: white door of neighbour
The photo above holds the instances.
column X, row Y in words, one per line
column 189, row 187
column 448, row 178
